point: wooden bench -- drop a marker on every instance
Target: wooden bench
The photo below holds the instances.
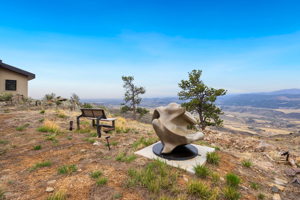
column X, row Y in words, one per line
column 98, row 115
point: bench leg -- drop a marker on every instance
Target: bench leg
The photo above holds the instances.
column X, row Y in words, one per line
column 93, row 123
column 98, row 128
column 78, row 122
column 113, row 125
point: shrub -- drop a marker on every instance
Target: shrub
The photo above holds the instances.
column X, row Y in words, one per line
column 58, row 196
column 231, row 194
column 6, row 96
column 155, row 176
column 123, row 158
column 49, row 127
column 247, row 163
column 213, row 158
column 202, row 191
column 67, row 169
column 41, row 165
column 101, row 181
column 37, row 147
column 232, row 180
column 201, row 171
column 42, row 112
column 87, row 105
column 96, row 174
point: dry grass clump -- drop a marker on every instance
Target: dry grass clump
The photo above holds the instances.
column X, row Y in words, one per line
column 61, row 114
column 49, row 127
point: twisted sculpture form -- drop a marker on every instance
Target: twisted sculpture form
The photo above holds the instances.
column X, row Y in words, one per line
column 170, row 124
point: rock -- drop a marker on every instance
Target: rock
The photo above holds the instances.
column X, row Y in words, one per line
column 97, row 143
column 83, row 150
column 276, row 197
column 279, row 181
column 49, row 189
column 51, row 182
column 263, row 146
column 290, row 172
column 296, row 181
column 275, row 189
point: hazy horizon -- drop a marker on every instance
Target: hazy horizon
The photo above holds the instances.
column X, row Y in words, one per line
column 85, row 47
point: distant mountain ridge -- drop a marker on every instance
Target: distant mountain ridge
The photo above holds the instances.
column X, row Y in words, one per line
column 287, row 98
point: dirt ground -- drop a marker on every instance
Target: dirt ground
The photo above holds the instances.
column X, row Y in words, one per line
column 17, row 157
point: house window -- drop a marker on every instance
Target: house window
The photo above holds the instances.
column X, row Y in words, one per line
column 11, row 85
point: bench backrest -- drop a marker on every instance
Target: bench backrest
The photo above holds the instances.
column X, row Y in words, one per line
column 93, row 112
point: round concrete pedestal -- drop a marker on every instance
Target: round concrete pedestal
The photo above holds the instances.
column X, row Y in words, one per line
column 184, row 152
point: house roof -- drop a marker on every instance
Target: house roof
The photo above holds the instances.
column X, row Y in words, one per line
column 17, row 70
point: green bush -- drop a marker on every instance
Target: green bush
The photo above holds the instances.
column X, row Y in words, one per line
column 155, row 176
column 201, row 171
column 87, row 105
column 41, row 165
column 37, row 147
column 101, row 181
column 2, row 195
column 96, row 174
column 247, row 163
column 123, row 158
column 232, row 180
column 6, row 96
column 67, row 169
column 213, row 158
column 202, row 191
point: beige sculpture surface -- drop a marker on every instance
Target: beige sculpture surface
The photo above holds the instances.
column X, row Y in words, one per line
column 170, row 124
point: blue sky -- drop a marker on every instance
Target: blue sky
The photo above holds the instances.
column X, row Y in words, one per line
column 86, row 46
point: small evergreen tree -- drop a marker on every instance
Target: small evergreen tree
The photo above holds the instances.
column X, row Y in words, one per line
column 201, row 99
column 131, row 98
column 75, row 101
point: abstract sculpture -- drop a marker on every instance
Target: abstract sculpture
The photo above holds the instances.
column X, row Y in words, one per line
column 171, row 126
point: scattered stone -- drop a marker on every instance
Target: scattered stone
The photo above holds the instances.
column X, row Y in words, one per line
column 83, row 150
column 79, row 170
column 97, row 143
column 51, row 182
column 276, row 197
column 49, row 189
column 274, row 189
column 263, row 146
column 290, row 172
column 296, row 181
column 279, row 181
column 185, row 179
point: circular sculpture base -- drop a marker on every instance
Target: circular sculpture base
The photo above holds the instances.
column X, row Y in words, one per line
column 184, row 152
